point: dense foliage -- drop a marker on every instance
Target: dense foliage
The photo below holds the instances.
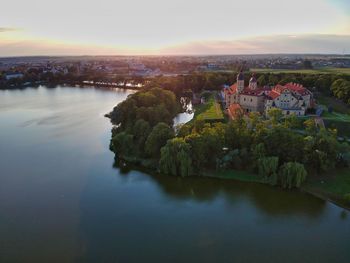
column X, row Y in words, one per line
column 143, row 123
column 282, row 150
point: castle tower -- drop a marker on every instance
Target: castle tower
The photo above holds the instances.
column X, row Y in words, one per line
column 240, row 81
column 253, row 84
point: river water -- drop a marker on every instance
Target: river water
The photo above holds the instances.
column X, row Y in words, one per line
column 62, row 200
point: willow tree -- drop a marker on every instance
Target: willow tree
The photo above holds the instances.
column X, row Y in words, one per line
column 292, row 174
column 267, row 167
column 176, row 158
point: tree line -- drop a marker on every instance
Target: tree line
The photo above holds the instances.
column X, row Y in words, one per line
column 330, row 84
column 282, row 150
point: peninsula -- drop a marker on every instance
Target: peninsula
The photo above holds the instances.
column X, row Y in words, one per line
column 275, row 145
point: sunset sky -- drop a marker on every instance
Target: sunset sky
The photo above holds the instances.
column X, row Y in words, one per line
column 115, row 27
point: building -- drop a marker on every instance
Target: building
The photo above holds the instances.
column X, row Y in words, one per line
column 291, row 98
column 9, row 76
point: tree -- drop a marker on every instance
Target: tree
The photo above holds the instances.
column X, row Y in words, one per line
column 310, row 126
column 284, row 143
column 291, row 121
column 321, row 151
column 267, row 166
column 254, row 119
column 124, row 113
column 158, row 138
column 122, row 143
column 199, row 151
column 275, row 115
column 273, row 79
column 176, row 158
column 258, row 151
column 307, row 64
column 261, row 80
column 141, row 131
column 341, row 89
column 323, row 83
column 184, row 130
column 292, row 174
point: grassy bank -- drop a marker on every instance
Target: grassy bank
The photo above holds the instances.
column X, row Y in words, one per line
column 333, row 187
column 209, row 111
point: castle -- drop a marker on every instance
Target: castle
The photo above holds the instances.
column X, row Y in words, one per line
column 291, row 98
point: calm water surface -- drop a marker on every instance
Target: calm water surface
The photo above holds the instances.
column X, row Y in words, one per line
column 61, row 199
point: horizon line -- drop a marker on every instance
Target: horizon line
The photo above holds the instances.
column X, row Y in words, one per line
column 173, row 55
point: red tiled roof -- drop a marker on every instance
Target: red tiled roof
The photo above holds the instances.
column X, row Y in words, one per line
column 298, row 88
column 232, row 89
column 234, row 110
column 279, row 88
column 253, row 92
column 274, row 94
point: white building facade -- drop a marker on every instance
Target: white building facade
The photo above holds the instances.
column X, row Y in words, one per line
column 291, row 98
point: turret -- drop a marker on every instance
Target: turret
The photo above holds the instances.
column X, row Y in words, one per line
column 240, row 81
column 253, row 84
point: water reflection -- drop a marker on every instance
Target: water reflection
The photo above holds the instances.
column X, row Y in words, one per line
column 270, row 200
column 62, row 201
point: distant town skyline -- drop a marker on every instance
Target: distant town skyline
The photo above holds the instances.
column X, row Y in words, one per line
column 180, row 27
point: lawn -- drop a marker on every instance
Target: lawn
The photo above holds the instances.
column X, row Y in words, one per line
column 335, row 119
column 210, row 111
column 304, row 71
column 336, row 116
column 336, row 104
column 334, row 186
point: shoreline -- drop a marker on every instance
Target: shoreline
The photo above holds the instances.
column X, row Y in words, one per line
column 245, row 177
column 73, row 84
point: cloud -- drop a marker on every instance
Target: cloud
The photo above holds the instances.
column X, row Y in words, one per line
column 8, row 29
column 316, row 43
column 275, row 44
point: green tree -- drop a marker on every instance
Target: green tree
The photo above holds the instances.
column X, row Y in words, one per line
column 258, row 151
column 273, row 79
column 158, row 138
column 310, row 126
column 199, row 151
column 321, row 151
column 176, row 158
column 267, row 166
column 292, row 174
column 262, row 81
column 122, row 143
column 141, row 131
column 291, row 121
column 284, row 143
column 275, row 115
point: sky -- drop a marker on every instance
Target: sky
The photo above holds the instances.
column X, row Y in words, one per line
column 178, row 27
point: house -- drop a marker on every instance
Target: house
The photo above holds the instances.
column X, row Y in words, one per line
column 291, row 98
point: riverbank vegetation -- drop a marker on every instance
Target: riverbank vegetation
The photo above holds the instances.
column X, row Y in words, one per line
column 283, row 151
column 143, row 124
